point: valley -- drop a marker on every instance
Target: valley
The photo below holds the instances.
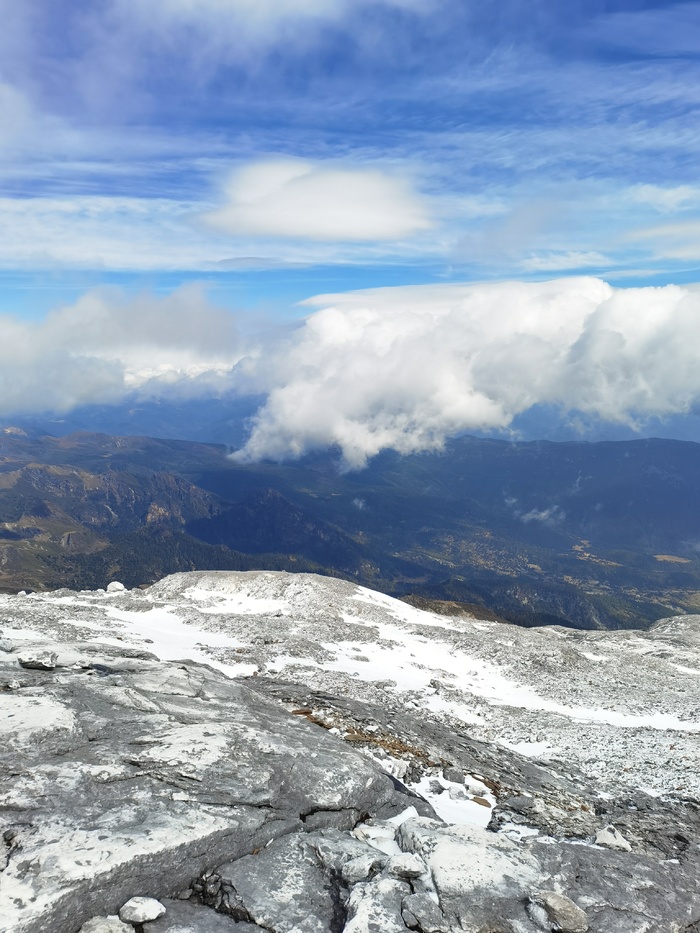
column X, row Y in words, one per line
column 589, row 535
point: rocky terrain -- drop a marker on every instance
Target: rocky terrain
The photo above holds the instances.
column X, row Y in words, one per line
column 295, row 753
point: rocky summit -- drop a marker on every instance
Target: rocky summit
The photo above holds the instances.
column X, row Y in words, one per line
column 297, row 754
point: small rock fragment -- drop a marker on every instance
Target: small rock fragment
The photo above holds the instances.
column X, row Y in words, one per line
column 106, row 925
column 141, row 910
column 39, row 660
column 520, row 804
column 455, row 775
column 561, row 912
column 115, row 587
column 612, row 839
column 406, row 866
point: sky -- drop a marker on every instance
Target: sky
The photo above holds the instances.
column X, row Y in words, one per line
column 182, row 180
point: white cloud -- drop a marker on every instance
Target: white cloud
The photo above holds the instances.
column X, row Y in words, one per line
column 293, row 198
column 404, row 368
column 667, row 200
column 25, row 131
column 107, row 345
column 551, row 517
column 120, row 233
column 399, row 368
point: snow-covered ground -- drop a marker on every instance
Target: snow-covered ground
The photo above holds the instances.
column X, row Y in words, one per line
column 623, row 706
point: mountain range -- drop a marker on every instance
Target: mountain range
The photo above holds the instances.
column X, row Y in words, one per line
column 590, row 535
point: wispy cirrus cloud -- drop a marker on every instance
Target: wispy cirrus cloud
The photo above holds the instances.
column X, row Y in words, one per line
column 247, row 24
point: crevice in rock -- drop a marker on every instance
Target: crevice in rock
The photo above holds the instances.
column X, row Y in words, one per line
column 359, row 818
column 8, row 837
column 336, row 889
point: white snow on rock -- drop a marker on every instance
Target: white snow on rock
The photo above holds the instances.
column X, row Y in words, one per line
column 453, row 804
column 621, row 705
column 25, row 719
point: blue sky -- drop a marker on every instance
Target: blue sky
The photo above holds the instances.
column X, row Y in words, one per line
column 222, row 161
column 518, row 139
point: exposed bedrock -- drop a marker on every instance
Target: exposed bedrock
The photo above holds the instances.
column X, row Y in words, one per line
column 125, row 776
column 260, row 803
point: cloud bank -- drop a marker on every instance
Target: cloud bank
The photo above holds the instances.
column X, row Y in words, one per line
column 107, row 346
column 404, row 368
column 395, row 368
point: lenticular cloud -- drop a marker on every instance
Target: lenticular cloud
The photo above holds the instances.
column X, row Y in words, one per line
column 404, row 368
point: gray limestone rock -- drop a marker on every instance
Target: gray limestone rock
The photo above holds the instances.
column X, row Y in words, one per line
column 283, row 888
column 453, row 774
column 38, row 660
column 420, row 911
column 336, row 849
column 407, row 866
column 558, row 912
column 361, row 869
column 375, row 907
column 612, row 839
column 122, row 775
column 137, row 780
column 186, row 917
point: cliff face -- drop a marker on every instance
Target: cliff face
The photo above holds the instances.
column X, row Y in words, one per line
column 290, row 752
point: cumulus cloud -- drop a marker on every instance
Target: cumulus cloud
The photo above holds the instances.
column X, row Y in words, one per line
column 406, row 367
column 294, row 198
column 400, row 368
column 108, row 345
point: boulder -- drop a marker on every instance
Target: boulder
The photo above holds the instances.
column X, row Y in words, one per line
column 141, row 910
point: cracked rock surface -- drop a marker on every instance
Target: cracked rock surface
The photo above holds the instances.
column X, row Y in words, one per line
column 268, row 801
column 126, row 776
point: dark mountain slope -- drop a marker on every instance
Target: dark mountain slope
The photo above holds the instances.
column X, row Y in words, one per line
column 591, row 535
